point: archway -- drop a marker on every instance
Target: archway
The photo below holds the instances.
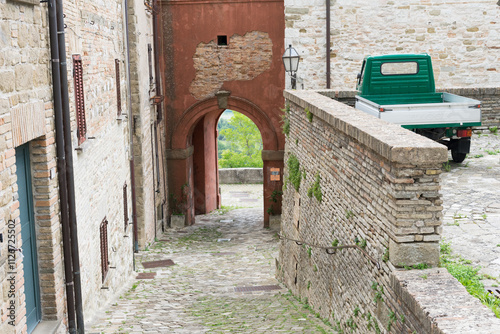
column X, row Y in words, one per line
column 193, row 157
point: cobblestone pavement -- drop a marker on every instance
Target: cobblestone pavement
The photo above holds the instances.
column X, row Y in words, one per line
column 219, row 253
column 471, row 200
column 197, row 294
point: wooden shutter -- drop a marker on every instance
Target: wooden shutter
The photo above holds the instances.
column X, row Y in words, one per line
column 81, row 125
column 118, row 87
column 125, row 206
column 103, row 231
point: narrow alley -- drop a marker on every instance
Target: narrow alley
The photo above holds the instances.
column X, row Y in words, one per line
column 215, row 259
column 225, row 252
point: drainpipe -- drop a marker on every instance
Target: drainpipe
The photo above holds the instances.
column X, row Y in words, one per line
column 61, row 165
column 159, row 110
column 75, row 253
column 131, row 133
column 328, row 67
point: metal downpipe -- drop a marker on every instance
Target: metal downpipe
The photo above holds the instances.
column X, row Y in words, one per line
column 61, row 165
column 75, row 253
column 328, row 65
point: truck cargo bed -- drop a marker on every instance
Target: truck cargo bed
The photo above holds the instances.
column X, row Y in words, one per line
column 423, row 110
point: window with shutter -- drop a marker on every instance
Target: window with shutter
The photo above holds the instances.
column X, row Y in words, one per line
column 125, row 206
column 103, row 230
column 118, row 87
column 81, row 125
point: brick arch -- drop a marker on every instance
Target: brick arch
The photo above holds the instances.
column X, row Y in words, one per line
column 182, row 135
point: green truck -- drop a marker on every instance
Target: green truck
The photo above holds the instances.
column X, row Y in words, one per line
column 400, row 89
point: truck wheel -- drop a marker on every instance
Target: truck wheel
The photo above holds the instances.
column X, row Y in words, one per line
column 458, row 157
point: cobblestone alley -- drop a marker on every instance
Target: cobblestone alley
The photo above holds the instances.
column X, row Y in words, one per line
column 224, row 252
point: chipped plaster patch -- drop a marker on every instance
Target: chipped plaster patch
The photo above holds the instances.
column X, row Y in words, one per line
column 244, row 58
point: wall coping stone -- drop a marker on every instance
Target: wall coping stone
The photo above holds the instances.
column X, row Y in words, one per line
column 441, row 303
column 394, row 143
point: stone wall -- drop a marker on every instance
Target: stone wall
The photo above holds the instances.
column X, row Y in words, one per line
column 363, row 182
column 95, row 32
column 489, row 97
column 150, row 169
column 241, row 175
column 26, row 116
column 462, row 38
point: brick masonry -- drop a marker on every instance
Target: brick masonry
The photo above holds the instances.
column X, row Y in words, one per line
column 462, row 38
column 380, row 186
column 244, row 58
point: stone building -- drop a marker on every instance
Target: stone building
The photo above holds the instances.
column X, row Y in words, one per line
column 461, row 36
column 114, row 124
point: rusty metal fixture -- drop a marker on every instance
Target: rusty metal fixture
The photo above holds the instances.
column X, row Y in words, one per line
column 157, row 99
column 332, row 250
column 257, row 288
column 157, row 264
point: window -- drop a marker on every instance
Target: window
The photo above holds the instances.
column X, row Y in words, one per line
column 103, row 230
column 125, row 206
column 150, row 63
column 81, row 125
column 400, row 68
column 118, row 88
column 222, row 40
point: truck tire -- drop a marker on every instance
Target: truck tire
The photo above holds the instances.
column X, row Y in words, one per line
column 457, row 156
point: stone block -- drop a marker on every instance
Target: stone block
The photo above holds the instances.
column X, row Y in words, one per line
column 24, row 77
column 177, row 221
column 275, row 222
column 411, row 253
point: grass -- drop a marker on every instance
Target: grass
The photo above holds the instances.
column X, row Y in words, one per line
column 468, row 276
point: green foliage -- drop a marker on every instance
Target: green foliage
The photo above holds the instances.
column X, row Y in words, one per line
column 469, row 277
column 335, row 243
column 385, row 258
column 379, row 291
column 349, row 214
column 309, row 114
column 315, row 189
column 356, row 311
column 294, row 174
column 309, row 251
column 494, row 129
column 351, row 324
column 243, row 145
column 446, row 166
column 286, row 121
column 419, row 266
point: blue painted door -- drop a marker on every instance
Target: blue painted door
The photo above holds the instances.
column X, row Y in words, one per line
column 30, row 262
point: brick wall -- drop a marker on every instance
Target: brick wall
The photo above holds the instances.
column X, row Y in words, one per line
column 489, row 97
column 380, row 190
column 216, row 64
column 462, row 38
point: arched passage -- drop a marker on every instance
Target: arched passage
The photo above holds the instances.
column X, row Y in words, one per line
column 193, row 157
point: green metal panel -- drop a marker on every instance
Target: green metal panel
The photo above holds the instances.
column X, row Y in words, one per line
column 28, row 236
column 376, row 83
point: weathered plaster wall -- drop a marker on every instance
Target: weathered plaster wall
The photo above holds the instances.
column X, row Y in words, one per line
column 461, row 36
